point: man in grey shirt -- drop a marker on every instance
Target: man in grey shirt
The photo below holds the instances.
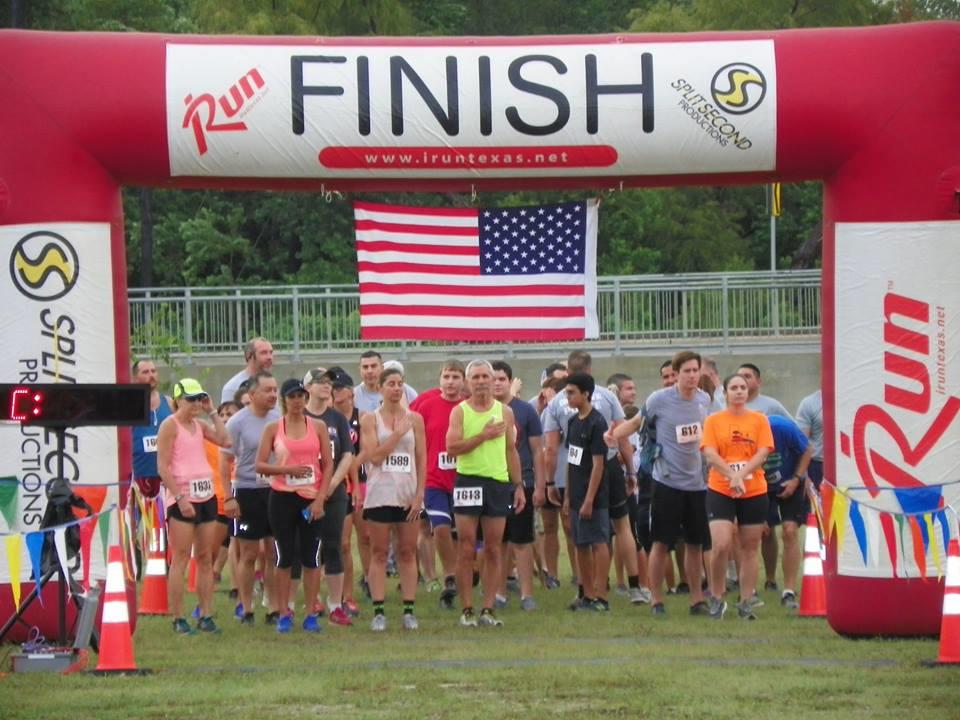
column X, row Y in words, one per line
column 755, row 401
column 367, row 396
column 556, row 418
column 258, row 354
column 680, row 492
column 246, row 505
column 810, row 420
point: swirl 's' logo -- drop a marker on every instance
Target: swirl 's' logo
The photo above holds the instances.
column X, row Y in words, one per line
column 738, row 88
column 44, row 266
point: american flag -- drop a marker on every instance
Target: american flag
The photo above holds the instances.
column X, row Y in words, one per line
column 481, row 275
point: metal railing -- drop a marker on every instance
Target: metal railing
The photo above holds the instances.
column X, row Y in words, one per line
column 721, row 308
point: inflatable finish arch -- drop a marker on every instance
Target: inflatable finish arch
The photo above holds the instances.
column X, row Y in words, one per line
column 872, row 112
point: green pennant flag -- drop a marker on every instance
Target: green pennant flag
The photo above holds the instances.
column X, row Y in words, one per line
column 104, row 525
column 8, row 499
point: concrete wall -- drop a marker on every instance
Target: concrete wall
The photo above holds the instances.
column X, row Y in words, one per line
column 789, row 373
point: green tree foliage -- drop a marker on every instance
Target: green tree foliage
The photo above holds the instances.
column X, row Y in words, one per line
column 215, row 238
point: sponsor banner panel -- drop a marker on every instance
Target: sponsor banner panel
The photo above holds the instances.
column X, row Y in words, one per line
column 469, row 112
column 57, row 299
column 898, row 395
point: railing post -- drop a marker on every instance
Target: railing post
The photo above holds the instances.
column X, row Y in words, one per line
column 240, row 341
column 684, row 320
column 296, row 324
column 725, row 311
column 616, row 316
column 328, row 318
column 403, row 349
column 188, row 323
column 774, row 308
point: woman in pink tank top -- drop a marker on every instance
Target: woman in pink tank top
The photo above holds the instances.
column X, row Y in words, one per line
column 190, row 499
column 300, row 467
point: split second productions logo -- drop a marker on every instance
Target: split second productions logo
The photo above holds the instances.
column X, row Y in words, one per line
column 736, row 89
column 44, row 267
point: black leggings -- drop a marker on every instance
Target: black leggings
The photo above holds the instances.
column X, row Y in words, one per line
column 331, row 531
column 285, row 511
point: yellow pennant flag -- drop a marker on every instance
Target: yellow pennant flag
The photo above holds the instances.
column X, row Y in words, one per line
column 776, row 208
column 928, row 521
column 13, row 560
column 838, row 515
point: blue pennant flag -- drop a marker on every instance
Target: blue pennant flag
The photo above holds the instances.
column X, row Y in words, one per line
column 35, row 548
column 918, row 500
column 859, row 529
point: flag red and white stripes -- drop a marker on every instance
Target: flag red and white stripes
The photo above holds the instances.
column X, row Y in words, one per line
column 488, row 274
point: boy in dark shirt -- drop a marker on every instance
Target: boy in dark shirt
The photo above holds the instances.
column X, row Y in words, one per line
column 587, row 496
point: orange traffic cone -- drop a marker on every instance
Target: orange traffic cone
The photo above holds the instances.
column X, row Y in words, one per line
column 116, row 645
column 153, row 595
column 950, row 623
column 192, row 573
column 813, row 591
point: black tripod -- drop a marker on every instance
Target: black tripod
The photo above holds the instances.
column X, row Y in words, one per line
column 60, row 501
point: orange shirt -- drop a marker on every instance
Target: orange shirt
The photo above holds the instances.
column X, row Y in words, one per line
column 736, row 438
column 213, row 459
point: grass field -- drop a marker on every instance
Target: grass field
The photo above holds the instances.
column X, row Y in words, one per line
column 549, row 663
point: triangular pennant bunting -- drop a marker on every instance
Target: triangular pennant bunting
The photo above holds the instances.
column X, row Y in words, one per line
column 60, row 543
column 899, row 519
column 13, row 543
column 919, row 554
column 874, row 541
column 86, row 542
column 35, row 548
column 932, row 535
column 839, row 516
column 105, row 535
column 9, row 490
column 859, row 529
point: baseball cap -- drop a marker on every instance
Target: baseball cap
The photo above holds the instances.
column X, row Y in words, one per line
column 338, row 377
column 394, row 365
column 314, row 375
column 188, row 388
column 292, row 386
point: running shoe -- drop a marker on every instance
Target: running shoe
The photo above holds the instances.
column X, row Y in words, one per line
column 353, row 610
column 207, row 625
column 600, row 606
column 410, row 622
column 272, row 618
column 756, row 601
column 528, row 604
column 551, row 582
column 182, row 627
column 247, row 619
column 341, row 617
column 468, row 619
column 770, row 585
column 579, row 603
column 434, row 586
column 513, row 585
column 658, row 610
column 311, row 624
column 284, row 624
column 789, row 600
column 447, row 598
column 379, row 623
column 319, row 609
column 682, row 589
column 718, row 608
column 488, row 619
column 700, row 608
column 745, row 610
column 196, row 613
column 639, row 596
column 622, row 590
column 499, row 601
column 238, row 612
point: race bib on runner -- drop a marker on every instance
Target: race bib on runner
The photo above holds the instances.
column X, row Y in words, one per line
column 574, row 454
column 689, row 433
column 201, row 489
column 446, row 462
column 300, row 481
column 150, row 444
column 400, row 462
column 738, row 466
column 468, row 497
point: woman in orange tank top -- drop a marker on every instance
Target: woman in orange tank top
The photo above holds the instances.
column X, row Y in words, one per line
column 736, row 442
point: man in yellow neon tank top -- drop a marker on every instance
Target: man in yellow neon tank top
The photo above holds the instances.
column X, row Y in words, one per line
column 487, row 488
